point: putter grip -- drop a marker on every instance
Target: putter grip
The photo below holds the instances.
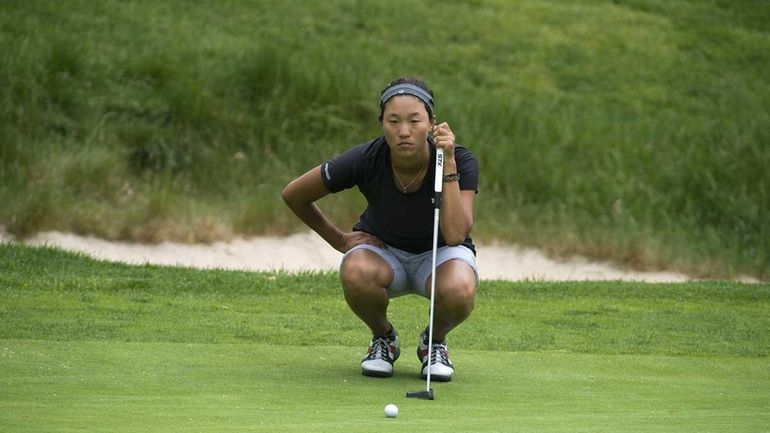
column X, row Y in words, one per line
column 439, row 180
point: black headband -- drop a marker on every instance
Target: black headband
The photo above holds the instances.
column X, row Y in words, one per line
column 408, row 89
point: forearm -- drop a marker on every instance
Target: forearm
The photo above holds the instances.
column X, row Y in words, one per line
column 312, row 216
column 456, row 218
column 300, row 196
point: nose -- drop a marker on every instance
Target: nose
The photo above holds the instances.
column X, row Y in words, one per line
column 403, row 129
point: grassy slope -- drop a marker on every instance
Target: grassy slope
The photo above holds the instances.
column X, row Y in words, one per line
column 634, row 130
column 71, row 298
column 98, row 346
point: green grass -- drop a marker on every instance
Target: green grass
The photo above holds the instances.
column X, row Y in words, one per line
column 166, row 387
column 630, row 130
column 95, row 346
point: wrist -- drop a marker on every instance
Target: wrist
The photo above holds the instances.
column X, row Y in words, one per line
column 340, row 241
column 451, row 177
column 450, row 166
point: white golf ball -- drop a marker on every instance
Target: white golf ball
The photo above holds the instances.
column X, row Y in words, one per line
column 391, row 410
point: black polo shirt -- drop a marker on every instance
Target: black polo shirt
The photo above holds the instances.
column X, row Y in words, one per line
column 402, row 220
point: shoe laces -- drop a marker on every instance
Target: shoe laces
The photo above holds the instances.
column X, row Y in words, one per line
column 440, row 354
column 378, row 349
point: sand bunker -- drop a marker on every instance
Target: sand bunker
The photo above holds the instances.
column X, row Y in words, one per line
column 307, row 251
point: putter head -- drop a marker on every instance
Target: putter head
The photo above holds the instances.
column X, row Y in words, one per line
column 424, row 395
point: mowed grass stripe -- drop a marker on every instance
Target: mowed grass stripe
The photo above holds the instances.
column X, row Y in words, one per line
column 111, row 386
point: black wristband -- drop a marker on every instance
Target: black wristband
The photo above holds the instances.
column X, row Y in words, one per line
column 454, row 177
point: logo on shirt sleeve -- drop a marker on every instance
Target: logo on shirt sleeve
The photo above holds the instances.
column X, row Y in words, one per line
column 326, row 172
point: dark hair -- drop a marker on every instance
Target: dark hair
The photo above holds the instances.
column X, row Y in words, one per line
column 408, row 79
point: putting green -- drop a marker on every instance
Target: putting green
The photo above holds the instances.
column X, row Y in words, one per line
column 165, row 387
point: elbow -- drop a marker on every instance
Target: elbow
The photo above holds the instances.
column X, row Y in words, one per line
column 455, row 239
column 287, row 194
column 454, row 236
column 303, row 191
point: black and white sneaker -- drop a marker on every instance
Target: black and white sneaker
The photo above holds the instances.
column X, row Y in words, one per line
column 441, row 369
column 383, row 352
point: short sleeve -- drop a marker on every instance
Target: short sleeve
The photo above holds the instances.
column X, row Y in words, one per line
column 340, row 172
column 468, row 168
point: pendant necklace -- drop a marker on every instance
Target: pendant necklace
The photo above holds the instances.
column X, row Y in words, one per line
column 405, row 188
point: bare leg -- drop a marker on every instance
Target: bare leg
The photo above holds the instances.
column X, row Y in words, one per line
column 455, row 296
column 365, row 278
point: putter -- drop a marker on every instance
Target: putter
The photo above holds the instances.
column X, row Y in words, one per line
column 438, row 182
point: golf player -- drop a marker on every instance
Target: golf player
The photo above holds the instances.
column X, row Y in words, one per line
column 388, row 253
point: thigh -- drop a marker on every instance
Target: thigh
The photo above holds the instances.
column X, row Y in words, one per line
column 421, row 277
column 399, row 284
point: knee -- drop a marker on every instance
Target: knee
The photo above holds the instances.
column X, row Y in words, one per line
column 458, row 291
column 362, row 269
column 460, row 297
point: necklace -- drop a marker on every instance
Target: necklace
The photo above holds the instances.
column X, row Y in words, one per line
column 405, row 188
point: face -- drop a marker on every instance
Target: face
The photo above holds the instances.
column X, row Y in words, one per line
column 406, row 125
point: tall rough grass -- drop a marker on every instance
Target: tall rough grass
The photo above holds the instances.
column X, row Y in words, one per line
column 637, row 131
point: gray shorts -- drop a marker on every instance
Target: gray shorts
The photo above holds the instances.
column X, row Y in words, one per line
column 411, row 271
